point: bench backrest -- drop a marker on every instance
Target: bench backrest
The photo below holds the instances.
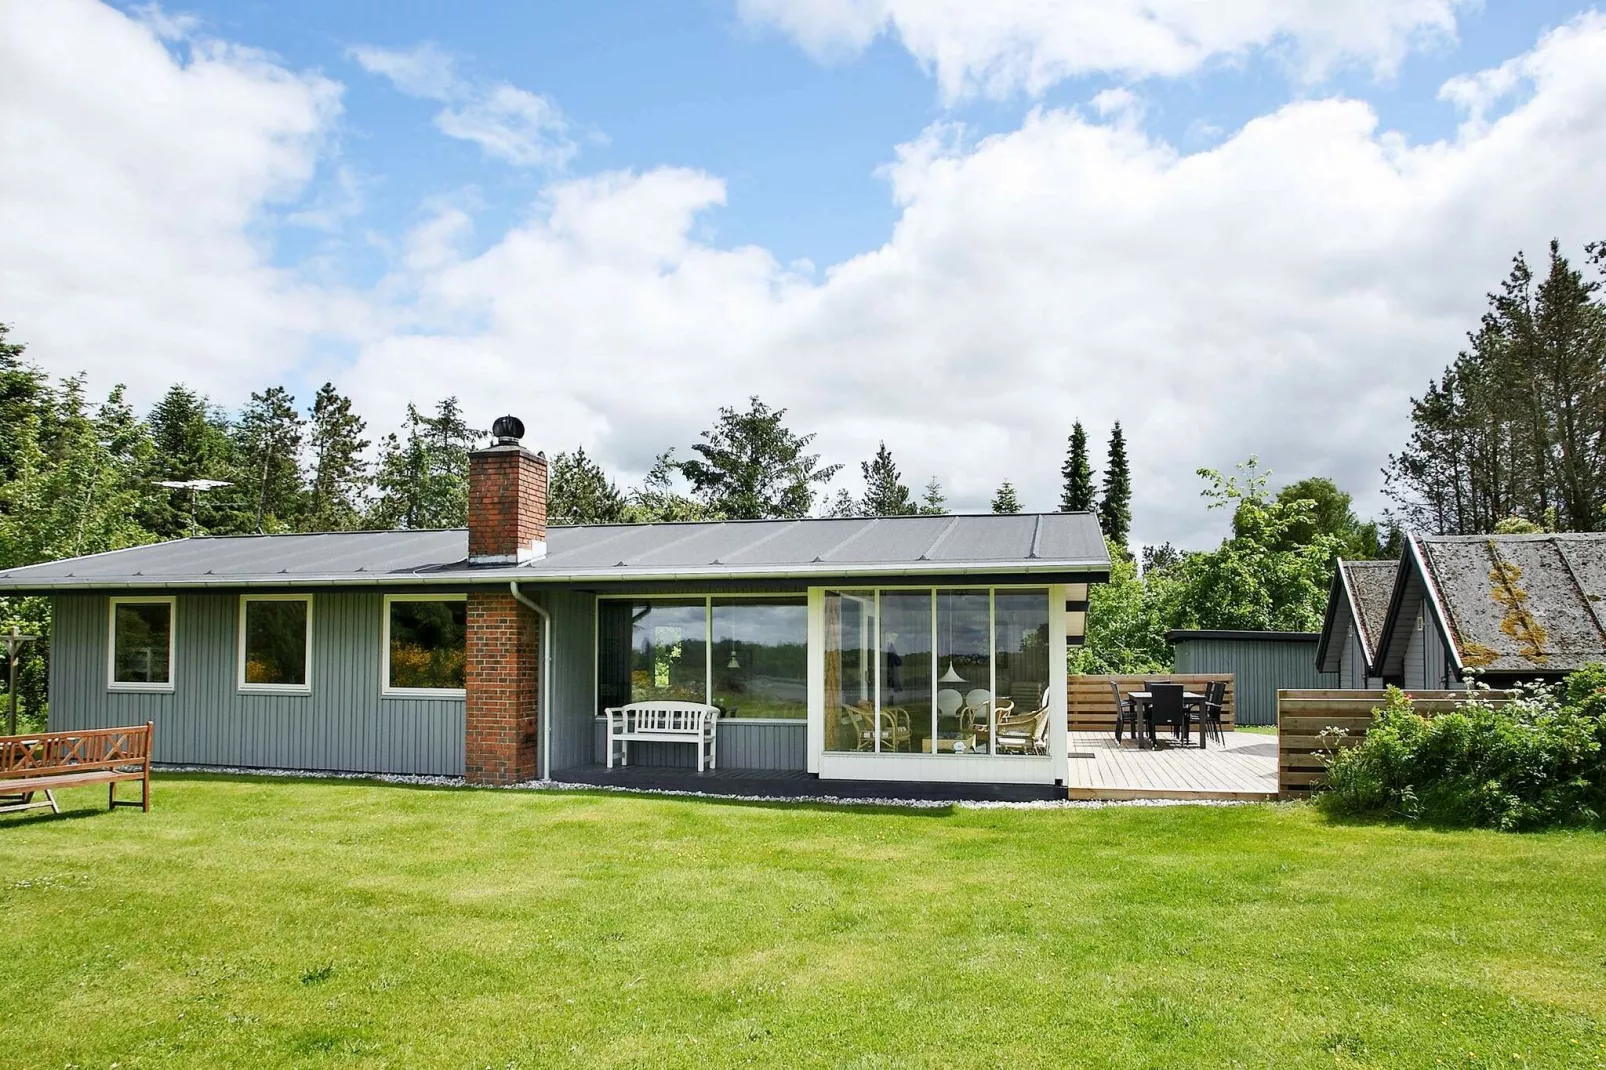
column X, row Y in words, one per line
column 688, row 717
column 44, row 753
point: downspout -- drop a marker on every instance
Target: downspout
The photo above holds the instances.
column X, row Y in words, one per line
column 546, row 676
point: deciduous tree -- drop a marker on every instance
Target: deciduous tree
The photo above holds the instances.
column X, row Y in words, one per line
column 750, row 466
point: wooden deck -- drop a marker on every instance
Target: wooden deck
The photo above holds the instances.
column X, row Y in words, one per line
column 1245, row 768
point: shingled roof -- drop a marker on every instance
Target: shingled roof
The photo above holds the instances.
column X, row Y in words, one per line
column 1518, row 603
column 1361, row 593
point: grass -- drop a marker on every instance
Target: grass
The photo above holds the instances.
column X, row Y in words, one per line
column 254, row 922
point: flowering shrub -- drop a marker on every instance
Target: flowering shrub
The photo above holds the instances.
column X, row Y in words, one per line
column 1529, row 763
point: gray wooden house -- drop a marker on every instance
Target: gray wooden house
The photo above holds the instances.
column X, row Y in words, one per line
column 491, row 652
column 1507, row 608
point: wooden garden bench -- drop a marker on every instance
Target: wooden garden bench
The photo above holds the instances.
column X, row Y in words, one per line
column 41, row 762
column 663, row 722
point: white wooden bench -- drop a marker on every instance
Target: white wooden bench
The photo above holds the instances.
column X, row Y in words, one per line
column 663, row 722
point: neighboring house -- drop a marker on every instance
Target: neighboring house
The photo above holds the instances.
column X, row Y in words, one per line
column 1357, row 606
column 1260, row 664
column 490, row 652
column 1508, row 608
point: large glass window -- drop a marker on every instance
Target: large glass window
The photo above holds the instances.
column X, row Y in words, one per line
column 957, row 671
column 760, row 658
column 425, row 642
column 141, row 644
column 275, row 642
column 748, row 656
column 906, row 670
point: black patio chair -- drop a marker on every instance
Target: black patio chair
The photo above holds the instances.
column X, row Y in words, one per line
column 1166, row 706
column 1126, row 712
column 1210, row 712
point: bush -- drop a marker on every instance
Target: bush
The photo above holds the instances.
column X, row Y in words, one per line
column 1533, row 762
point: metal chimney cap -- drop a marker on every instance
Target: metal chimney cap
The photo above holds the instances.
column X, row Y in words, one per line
column 507, row 430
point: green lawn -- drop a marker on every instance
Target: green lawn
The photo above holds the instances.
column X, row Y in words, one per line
column 253, row 922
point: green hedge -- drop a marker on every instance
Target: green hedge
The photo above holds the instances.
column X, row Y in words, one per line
column 1534, row 762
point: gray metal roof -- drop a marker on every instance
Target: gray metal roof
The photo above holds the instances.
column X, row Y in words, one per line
column 881, row 546
column 1520, row 603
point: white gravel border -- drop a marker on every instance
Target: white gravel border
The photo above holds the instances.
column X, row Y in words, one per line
column 832, row 800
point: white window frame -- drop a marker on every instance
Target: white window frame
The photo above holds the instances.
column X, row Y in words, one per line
column 114, row 684
column 799, row 599
column 304, row 688
column 384, row 648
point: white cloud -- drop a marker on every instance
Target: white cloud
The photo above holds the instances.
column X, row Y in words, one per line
column 133, row 192
column 1282, row 292
column 1006, row 46
column 508, row 123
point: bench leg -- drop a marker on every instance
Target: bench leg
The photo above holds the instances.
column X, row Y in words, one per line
column 111, row 795
column 609, row 738
column 145, row 792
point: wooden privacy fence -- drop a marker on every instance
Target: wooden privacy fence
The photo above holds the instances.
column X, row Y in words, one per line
column 1091, row 704
column 1302, row 717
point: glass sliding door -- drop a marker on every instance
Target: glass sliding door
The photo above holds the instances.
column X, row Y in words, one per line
column 907, row 709
column 964, row 686
column 850, row 644
column 1020, row 669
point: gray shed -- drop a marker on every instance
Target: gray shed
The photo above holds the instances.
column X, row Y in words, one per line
column 1261, row 663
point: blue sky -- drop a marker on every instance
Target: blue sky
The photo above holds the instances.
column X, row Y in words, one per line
column 798, row 141
column 1237, row 229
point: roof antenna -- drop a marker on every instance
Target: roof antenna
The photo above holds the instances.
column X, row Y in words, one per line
column 194, row 486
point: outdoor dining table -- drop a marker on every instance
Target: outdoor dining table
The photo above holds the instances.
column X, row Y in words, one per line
column 1190, row 699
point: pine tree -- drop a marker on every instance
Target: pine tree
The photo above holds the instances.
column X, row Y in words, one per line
column 340, row 476
column 580, row 492
column 751, row 466
column 933, row 502
column 1115, row 505
column 1077, row 496
column 190, row 440
column 1005, row 500
column 884, row 492
column 23, row 389
column 843, row 505
column 267, row 453
column 423, row 477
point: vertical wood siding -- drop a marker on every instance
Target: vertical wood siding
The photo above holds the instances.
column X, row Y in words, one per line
column 344, row 724
column 1415, row 672
column 781, row 745
column 1259, row 669
column 574, row 616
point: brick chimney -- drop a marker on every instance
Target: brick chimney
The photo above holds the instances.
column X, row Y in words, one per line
column 506, row 499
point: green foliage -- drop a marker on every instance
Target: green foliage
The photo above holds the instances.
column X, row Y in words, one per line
column 657, row 501
column 750, row 466
column 580, row 492
column 1125, row 632
column 1076, row 473
column 933, row 502
column 1517, row 525
column 1005, row 499
column 423, row 474
column 267, row 453
column 339, row 478
column 190, row 440
column 1530, row 763
column 1115, row 501
column 1261, row 578
column 884, row 492
column 1516, row 424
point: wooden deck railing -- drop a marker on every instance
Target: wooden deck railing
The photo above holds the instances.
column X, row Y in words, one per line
column 1091, row 705
column 1302, row 717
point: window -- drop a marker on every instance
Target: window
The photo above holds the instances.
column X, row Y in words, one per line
column 748, row 656
column 140, row 650
column 953, row 671
column 425, row 643
column 275, row 642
